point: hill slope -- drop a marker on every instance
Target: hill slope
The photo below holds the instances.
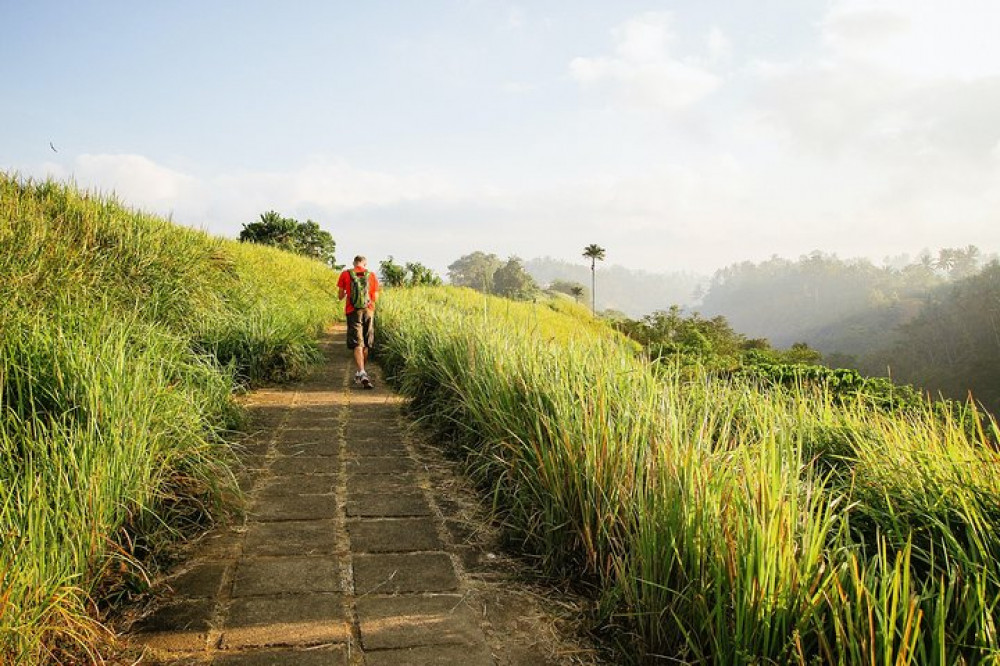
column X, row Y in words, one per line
column 122, row 338
column 717, row 519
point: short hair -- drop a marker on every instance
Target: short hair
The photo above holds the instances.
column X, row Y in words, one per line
column 360, row 259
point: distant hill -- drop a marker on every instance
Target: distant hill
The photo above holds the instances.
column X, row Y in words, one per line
column 634, row 292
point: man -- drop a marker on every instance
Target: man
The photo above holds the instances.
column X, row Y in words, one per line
column 361, row 289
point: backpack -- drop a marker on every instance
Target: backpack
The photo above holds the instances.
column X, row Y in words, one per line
column 359, row 290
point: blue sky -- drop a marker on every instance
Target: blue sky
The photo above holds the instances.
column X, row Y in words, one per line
column 678, row 135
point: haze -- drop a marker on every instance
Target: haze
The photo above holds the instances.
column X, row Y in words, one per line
column 680, row 136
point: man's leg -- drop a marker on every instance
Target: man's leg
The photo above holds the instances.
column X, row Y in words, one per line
column 356, row 340
column 367, row 339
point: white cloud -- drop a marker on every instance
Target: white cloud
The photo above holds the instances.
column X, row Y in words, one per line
column 885, row 136
column 222, row 201
column 919, row 39
column 719, row 47
column 643, row 73
column 133, row 178
column 896, row 81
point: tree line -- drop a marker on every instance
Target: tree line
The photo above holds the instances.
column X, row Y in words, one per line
column 931, row 321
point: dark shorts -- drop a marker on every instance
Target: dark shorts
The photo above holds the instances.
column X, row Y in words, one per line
column 360, row 329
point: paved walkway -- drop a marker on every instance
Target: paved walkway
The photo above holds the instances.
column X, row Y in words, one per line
column 343, row 558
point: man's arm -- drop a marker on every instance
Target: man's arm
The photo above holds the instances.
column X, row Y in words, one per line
column 376, row 291
column 341, row 288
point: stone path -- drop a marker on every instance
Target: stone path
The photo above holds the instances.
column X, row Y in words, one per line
column 343, row 557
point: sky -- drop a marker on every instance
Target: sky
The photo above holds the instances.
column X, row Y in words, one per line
column 679, row 135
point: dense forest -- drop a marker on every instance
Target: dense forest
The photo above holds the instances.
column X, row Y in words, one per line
column 932, row 321
column 953, row 344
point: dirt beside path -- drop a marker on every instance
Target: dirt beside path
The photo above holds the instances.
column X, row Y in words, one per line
column 361, row 545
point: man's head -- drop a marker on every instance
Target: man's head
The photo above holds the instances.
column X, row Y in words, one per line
column 360, row 262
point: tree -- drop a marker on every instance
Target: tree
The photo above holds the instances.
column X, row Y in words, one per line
column 800, row 352
column 568, row 287
column 474, row 270
column 391, row 273
column 512, row 281
column 271, row 229
column 306, row 238
column 420, row 275
column 315, row 242
column 414, row 274
column 595, row 253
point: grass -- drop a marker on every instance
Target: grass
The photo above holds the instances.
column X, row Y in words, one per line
column 122, row 340
column 718, row 520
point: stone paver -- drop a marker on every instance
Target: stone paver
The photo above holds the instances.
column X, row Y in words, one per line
column 290, row 465
column 300, row 484
column 394, row 535
column 298, row 537
column 392, row 573
column 287, row 575
column 375, row 447
column 305, row 619
column 399, row 622
column 407, row 482
column 340, row 559
column 389, row 502
column 179, row 625
column 380, row 465
column 200, row 581
column 317, row 449
column 296, row 507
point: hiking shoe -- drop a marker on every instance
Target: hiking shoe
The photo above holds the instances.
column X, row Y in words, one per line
column 366, row 383
column 357, row 379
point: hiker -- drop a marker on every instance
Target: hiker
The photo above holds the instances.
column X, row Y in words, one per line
column 360, row 287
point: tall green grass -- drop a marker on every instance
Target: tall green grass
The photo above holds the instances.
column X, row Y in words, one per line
column 718, row 520
column 122, row 339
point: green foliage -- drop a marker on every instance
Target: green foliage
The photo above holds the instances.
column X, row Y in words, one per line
column 122, row 337
column 421, row 276
column 488, row 274
column 512, row 281
column 304, row 238
column 391, row 274
column 953, row 345
column 414, row 274
column 474, row 270
column 931, row 322
column 595, row 253
column 835, row 305
column 720, row 520
column 672, row 337
column 574, row 289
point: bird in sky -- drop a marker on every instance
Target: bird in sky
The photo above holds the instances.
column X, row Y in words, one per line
column 53, row 147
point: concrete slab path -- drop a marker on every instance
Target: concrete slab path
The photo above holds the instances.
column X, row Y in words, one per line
column 344, row 557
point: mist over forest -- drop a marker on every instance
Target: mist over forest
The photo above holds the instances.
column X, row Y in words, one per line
column 621, row 289
column 931, row 320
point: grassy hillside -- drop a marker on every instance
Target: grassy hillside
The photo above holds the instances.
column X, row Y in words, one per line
column 719, row 521
column 122, row 338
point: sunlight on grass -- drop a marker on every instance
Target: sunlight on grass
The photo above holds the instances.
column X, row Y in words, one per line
column 718, row 520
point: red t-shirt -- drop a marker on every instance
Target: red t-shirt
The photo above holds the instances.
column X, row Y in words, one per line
column 344, row 282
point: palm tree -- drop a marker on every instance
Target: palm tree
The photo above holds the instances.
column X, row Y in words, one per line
column 577, row 292
column 593, row 252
